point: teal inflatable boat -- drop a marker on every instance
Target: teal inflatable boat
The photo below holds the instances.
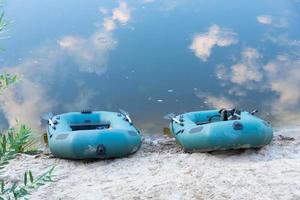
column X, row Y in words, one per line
column 220, row 130
column 99, row 134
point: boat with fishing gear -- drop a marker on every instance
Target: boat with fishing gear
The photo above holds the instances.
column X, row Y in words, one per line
column 92, row 134
column 220, row 130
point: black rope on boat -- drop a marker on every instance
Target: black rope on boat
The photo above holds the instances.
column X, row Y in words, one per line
column 180, row 131
column 86, row 111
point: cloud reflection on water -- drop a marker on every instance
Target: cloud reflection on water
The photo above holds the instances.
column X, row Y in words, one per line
column 237, row 67
column 203, row 43
column 280, row 75
column 50, row 68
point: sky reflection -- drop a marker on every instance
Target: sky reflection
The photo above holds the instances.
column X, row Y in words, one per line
column 151, row 58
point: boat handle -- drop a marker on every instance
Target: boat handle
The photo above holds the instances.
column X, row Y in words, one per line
column 126, row 116
column 172, row 117
column 254, row 112
column 51, row 123
column 128, row 119
column 177, row 121
column 180, row 131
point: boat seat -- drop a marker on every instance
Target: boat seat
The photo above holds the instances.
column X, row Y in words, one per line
column 201, row 123
column 90, row 126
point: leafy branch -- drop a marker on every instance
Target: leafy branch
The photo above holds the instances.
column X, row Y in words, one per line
column 3, row 23
column 7, row 80
column 29, row 183
column 12, row 142
column 18, row 139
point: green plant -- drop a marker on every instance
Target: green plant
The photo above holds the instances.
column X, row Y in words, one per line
column 29, row 183
column 19, row 139
column 5, row 153
column 2, row 22
column 14, row 141
column 8, row 142
column 7, row 80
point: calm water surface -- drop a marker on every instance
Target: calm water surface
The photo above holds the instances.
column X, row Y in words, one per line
column 151, row 58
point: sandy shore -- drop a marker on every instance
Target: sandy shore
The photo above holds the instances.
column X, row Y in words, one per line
column 160, row 170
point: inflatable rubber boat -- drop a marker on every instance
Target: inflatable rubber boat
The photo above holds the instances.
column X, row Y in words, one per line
column 220, row 130
column 86, row 134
